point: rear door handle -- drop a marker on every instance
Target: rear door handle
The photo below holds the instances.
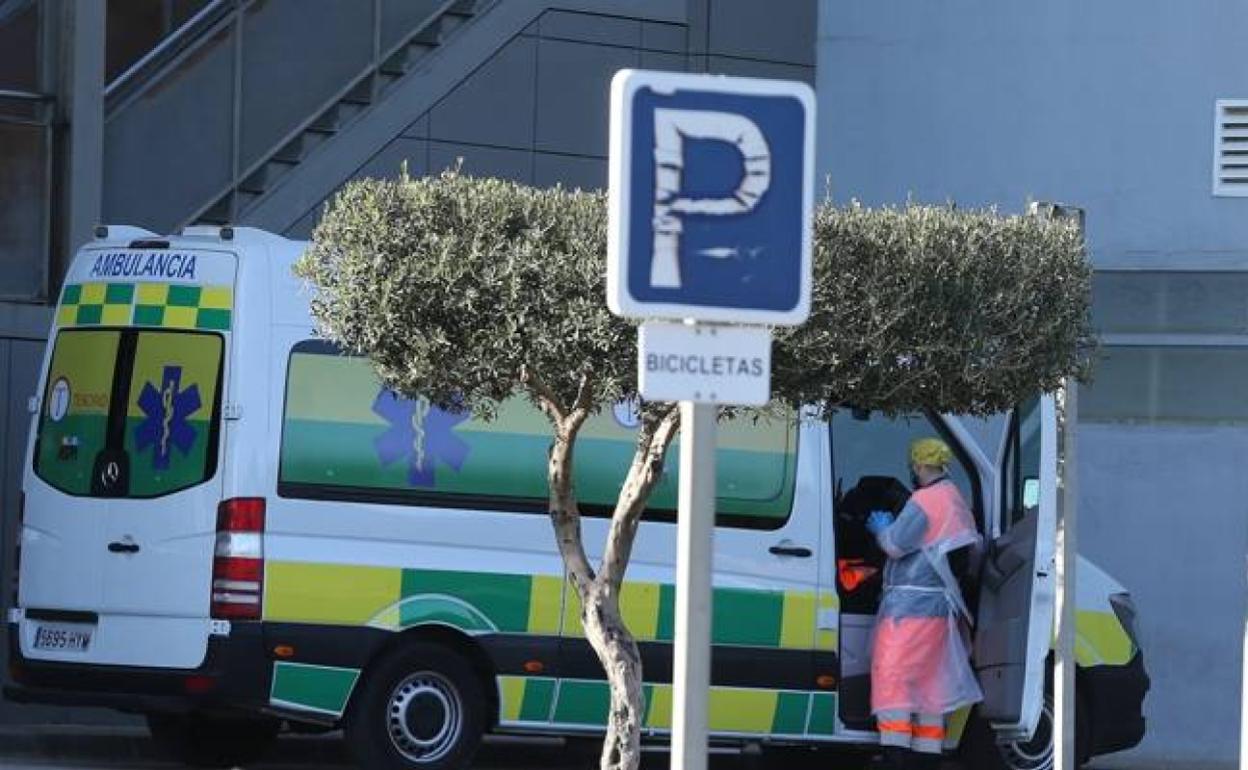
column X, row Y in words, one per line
column 120, row 547
column 791, row 550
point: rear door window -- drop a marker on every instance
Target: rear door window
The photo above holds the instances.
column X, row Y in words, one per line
column 170, row 412
column 130, row 413
column 73, row 424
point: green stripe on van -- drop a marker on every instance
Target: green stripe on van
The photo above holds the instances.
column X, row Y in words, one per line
column 324, row 689
column 502, row 598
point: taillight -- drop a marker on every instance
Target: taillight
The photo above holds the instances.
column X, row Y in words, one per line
column 238, row 561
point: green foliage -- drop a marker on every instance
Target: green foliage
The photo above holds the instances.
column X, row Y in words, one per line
column 929, row 307
column 452, row 284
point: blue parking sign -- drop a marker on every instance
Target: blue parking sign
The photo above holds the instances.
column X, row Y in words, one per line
column 710, row 189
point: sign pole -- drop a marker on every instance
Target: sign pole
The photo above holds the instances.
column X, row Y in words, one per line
column 1067, row 559
column 695, row 531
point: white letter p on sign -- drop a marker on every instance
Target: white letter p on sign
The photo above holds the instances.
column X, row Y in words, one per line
column 671, row 128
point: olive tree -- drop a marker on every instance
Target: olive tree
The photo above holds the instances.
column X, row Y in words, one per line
column 468, row 291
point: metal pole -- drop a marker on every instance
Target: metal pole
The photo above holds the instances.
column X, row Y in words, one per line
column 695, row 532
column 1067, row 561
column 83, row 103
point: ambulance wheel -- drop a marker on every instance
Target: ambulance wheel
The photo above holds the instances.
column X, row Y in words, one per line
column 421, row 707
column 200, row 740
column 981, row 750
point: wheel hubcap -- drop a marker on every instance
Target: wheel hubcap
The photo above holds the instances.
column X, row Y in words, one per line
column 424, row 717
column 1037, row 753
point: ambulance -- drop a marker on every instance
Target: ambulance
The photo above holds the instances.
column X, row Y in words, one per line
column 229, row 527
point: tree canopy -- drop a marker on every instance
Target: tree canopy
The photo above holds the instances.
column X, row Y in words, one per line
column 453, row 285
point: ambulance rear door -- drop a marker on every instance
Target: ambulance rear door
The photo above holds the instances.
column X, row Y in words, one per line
column 1017, row 594
column 123, row 485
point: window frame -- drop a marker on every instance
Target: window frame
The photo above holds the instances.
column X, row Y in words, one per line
column 938, row 425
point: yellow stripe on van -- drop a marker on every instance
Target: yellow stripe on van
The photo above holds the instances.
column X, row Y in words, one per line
column 742, row 711
column 153, row 294
column 797, row 626
column 639, row 604
column 180, row 317
column 92, row 294
column 216, row 298
column 1102, row 632
column 329, row 593
column 511, row 691
column 659, row 710
column 545, row 604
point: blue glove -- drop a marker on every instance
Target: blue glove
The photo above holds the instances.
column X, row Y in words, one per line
column 879, row 521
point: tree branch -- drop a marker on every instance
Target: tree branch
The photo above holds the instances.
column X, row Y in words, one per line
column 643, row 475
column 542, row 393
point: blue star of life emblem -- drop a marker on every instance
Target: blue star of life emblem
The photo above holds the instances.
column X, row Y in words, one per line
column 420, row 433
column 165, row 411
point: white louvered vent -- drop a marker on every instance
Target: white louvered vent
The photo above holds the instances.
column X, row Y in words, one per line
column 1230, row 148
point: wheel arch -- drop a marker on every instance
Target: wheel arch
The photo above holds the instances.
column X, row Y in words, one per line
column 446, row 636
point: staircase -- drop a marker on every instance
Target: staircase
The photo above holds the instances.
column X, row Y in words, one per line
column 220, row 165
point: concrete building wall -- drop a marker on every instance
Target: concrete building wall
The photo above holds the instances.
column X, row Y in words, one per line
column 1108, row 106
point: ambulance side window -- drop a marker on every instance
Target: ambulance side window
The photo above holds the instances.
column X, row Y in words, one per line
column 344, row 436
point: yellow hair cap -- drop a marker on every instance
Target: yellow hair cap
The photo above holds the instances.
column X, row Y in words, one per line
column 930, row 451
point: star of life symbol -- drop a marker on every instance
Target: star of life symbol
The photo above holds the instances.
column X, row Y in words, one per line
column 420, row 433
column 166, row 411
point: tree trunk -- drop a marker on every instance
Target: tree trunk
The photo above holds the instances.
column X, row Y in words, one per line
column 599, row 592
column 621, row 660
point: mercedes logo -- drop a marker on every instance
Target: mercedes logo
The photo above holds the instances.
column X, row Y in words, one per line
column 110, row 474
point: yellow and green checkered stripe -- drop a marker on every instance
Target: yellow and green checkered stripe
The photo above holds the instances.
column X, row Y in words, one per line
column 584, row 702
column 394, row 598
column 160, row 305
column 742, row 617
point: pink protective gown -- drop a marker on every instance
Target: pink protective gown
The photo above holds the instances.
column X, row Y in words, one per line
column 920, row 662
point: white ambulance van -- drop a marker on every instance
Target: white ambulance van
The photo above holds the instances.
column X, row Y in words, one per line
column 228, row 526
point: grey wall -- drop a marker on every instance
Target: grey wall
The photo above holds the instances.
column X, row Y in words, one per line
column 1109, row 106
column 1155, row 514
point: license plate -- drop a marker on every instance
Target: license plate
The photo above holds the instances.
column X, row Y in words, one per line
column 67, row 638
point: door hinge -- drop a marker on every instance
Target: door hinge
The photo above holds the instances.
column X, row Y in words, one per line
column 32, row 405
column 232, row 411
column 219, row 628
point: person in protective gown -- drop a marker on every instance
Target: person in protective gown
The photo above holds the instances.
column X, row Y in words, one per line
column 920, row 667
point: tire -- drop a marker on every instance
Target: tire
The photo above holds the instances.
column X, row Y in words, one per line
column 200, row 740
column 421, row 707
column 980, row 750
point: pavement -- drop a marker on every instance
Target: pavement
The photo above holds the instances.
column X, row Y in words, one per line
column 95, row 747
